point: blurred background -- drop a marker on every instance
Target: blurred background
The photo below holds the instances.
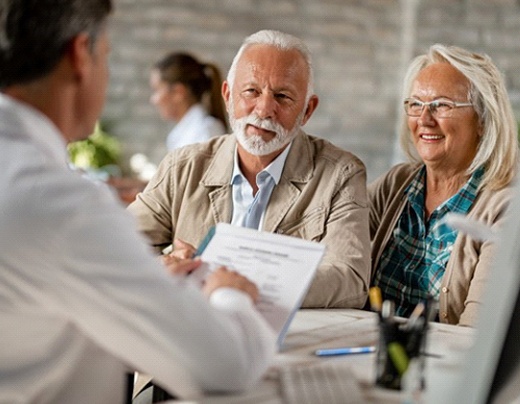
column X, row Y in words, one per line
column 360, row 50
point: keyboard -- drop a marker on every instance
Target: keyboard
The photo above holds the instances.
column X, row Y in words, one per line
column 329, row 382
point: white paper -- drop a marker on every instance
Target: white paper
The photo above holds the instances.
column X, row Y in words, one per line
column 472, row 227
column 282, row 267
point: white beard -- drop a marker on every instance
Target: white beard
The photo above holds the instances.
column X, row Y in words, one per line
column 254, row 144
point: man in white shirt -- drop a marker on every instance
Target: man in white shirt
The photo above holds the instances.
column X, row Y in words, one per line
column 82, row 300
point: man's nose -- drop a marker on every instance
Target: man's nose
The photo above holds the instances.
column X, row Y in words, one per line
column 265, row 106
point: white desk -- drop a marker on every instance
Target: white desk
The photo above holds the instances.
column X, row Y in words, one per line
column 313, row 329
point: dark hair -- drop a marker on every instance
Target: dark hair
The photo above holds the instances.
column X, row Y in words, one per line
column 199, row 78
column 34, row 34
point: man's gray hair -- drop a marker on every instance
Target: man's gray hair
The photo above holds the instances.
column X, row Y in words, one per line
column 35, row 34
column 280, row 40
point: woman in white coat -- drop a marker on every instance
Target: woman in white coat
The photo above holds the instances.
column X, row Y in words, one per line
column 188, row 92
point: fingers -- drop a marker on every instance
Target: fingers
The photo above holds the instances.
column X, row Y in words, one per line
column 222, row 277
column 178, row 243
column 178, row 266
column 182, row 250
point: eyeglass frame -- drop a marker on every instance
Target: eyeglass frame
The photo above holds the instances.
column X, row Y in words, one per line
column 428, row 104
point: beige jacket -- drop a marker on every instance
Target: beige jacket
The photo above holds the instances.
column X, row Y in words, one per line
column 321, row 197
column 469, row 265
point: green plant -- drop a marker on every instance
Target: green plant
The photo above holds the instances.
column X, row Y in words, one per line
column 97, row 151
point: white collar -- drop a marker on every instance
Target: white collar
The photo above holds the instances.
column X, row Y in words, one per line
column 24, row 120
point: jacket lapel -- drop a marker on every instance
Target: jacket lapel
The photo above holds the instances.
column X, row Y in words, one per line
column 217, row 179
column 298, row 169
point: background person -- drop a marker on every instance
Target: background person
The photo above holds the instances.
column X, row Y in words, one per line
column 269, row 174
column 188, row 92
column 461, row 136
column 82, row 300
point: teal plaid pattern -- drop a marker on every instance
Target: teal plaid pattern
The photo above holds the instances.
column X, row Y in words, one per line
column 414, row 260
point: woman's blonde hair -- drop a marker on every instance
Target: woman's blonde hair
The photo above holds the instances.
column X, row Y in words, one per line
column 498, row 147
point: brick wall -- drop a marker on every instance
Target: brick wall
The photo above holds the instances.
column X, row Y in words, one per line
column 360, row 48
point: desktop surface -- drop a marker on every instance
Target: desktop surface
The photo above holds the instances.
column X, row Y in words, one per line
column 314, row 329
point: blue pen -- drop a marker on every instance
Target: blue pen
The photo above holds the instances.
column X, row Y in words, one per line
column 205, row 242
column 345, row 351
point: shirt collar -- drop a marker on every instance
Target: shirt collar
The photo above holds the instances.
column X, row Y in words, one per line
column 23, row 119
column 275, row 168
column 194, row 114
column 460, row 202
column 195, row 111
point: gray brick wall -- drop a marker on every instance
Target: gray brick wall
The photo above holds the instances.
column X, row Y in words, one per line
column 359, row 49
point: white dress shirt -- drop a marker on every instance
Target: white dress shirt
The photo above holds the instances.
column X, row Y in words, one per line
column 194, row 127
column 82, row 300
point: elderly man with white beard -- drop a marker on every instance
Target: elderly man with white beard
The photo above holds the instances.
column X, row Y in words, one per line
column 268, row 174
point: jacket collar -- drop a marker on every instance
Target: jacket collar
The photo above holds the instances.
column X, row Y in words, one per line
column 299, row 165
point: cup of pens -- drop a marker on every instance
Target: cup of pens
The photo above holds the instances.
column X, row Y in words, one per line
column 400, row 355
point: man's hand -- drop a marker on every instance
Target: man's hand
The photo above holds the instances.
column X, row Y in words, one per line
column 179, row 261
column 222, row 277
column 182, row 250
column 177, row 266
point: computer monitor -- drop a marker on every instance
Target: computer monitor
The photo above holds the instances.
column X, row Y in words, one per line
column 491, row 372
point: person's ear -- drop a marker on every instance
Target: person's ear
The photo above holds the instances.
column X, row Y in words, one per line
column 311, row 107
column 226, row 92
column 80, row 55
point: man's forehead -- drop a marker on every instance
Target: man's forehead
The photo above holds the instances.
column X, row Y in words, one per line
column 262, row 61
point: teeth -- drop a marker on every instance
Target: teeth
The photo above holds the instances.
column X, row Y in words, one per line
column 431, row 137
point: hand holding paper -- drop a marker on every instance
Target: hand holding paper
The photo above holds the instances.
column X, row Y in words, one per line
column 222, row 277
column 282, row 267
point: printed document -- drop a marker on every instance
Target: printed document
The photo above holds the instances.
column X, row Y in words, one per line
column 282, row 267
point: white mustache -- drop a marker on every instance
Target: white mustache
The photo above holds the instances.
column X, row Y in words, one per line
column 266, row 124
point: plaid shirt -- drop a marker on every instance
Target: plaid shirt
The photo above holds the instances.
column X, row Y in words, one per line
column 413, row 262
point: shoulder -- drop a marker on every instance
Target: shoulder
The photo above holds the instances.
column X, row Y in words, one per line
column 325, row 152
column 202, row 151
column 396, row 177
column 195, row 159
column 54, row 198
column 201, row 120
column 205, row 127
column 492, row 202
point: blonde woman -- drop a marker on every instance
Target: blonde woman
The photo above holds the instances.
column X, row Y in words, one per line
column 461, row 136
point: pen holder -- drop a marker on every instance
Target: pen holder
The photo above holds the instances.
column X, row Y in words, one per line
column 399, row 345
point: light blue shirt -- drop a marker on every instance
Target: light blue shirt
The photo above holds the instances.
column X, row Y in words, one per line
column 243, row 199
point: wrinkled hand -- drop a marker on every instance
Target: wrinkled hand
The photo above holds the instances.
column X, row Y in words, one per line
column 178, row 266
column 222, row 277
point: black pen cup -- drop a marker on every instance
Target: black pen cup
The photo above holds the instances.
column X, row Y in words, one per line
column 399, row 345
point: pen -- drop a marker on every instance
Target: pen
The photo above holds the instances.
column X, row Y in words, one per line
column 376, row 301
column 388, row 310
column 432, row 355
column 398, row 356
column 345, row 351
column 415, row 316
column 205, row 241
